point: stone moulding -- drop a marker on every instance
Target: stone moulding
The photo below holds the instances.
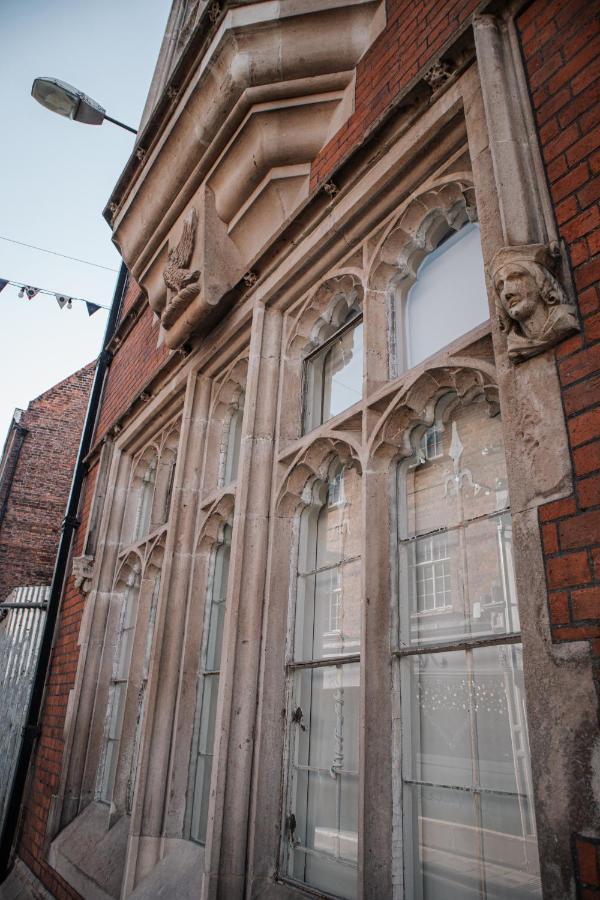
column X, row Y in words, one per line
column 533, row 309
column 275, row 83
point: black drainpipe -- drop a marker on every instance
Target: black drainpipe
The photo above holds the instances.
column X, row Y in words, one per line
column 31, row 728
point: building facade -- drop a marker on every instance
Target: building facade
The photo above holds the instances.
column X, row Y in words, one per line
column 334, row 625
column 35, row 477
column 36, row 469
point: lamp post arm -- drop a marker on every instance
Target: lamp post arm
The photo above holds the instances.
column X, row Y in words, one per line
column 120, row 124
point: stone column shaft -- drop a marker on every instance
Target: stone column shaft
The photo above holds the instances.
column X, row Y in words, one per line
column 225, row 856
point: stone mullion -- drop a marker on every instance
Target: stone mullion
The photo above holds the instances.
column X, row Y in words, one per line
column 375, row 790
column 148, row 812
column 225, row 854
column 94, row 664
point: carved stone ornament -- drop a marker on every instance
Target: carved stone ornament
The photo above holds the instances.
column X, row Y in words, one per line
column 533, row 310
column 83, row 572
column 177, row 274
column 438, row 74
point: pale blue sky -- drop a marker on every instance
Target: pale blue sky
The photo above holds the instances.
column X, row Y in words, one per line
column 56, row 176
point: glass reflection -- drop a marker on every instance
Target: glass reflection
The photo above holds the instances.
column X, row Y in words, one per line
column 466, row 776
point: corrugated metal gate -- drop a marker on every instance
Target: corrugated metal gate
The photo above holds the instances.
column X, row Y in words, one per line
column 24, row 612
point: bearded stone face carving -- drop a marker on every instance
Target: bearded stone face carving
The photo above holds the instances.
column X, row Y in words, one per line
column 533, row 309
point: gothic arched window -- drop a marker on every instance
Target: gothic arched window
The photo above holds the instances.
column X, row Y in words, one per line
column 333, row 373
column 128, row 588
column 448, row 297
column 322, row 787
column 468, row 819
column 208, row 689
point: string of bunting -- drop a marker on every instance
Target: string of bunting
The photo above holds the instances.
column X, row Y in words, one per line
column 27, row 290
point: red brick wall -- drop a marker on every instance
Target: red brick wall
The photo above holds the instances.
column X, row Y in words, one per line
column 47, row 761
column 561, row 48
column 415, row 33
column 561, row 45
column 132, row 367
column 42, row 478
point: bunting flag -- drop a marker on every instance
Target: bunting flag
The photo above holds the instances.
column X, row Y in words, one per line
column 27, row 290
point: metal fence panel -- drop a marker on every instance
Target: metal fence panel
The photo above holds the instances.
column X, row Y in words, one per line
column 24, row 612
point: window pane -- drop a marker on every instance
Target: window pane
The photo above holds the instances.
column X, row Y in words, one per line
column 456, row 577
column 146, row 496
column 334, row 377
column 458, row 584
column 467, row 785
column 217, row 608
column 322, row 851
column 209, row 685
column 234, row 441
column 448, row 298
column 207, row 693
column 343, row 373
column 328, row 599
column 328, row 612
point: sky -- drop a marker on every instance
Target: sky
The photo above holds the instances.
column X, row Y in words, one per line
column 57, row 175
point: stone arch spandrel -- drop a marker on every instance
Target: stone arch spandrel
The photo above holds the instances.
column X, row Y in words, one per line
column 312, row 465
column 227, row 398
column 414, row 404
column 411, row 233
column 422, row 223
column 325, row 308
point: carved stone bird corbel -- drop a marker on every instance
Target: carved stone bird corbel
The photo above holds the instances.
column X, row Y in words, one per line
column 177, row 274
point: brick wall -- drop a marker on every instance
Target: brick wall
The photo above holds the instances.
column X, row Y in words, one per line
column 46, row 767
column 133, row 365
column 415, row 33
column 561, row 45
column 561, row 48
column 42, row 478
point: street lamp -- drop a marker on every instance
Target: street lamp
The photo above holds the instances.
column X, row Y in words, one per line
column 66, row 100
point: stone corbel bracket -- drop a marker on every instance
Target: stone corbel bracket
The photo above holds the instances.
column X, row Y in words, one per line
column 533, row 309
column 83, row 573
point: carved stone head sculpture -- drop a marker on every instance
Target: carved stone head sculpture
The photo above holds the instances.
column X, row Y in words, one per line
column 533, row 310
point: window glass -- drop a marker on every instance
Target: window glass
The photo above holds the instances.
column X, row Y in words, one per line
column 449, row 296
column 334, row 376
column 322, row 808
column 207, row 692
column 455, row 551
column 146, row 496
column 118, row 686
column 234, row 441
column 469, row 828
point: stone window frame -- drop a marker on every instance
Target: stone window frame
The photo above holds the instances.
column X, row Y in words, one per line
column 312, row 325
column 147, row 565
column 396, row 439
column 78, row 802
column 303, row 492
column 160, row 450
column 217, row 518
column 228, row 397
column 417, row 230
